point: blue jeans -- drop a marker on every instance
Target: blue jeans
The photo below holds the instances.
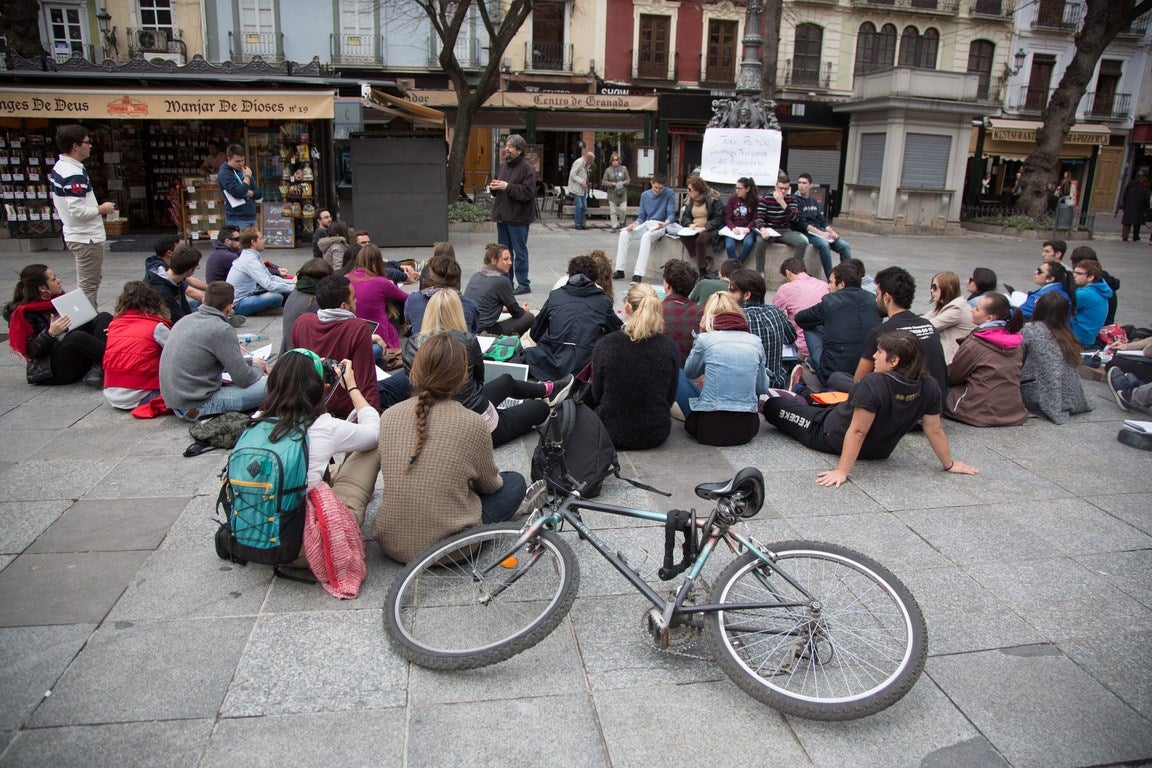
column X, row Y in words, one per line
column 241, row 224
column 580, row 203
column 498, row 507
column 515, row 236
column 233, row 398
column 685, row 389
column 748, row 241
column 840, row 246
column 815, row 341
column 394, row 389
column 257, row 302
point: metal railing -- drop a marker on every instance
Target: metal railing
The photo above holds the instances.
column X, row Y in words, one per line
column 354, row 49
column 1029, row 99
column 267, row 45
column 1059, row 16
column 807, row 77
column 990, row 89
column 92, row 53
column 652, row 71
column 554, row 57
column 1082, row 220
column 994, row 9
column 1139, row 27
column 1106, row 105
column 934, row 7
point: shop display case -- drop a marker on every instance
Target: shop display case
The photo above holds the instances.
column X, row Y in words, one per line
column 198, row 204
column 25, row 162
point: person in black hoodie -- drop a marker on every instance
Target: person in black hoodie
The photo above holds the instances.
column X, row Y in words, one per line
column 171, row 283
column 846, row 315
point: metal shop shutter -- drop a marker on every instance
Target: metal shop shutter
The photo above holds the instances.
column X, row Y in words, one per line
column 822, row 164
column 871, row 158
column 925, row 161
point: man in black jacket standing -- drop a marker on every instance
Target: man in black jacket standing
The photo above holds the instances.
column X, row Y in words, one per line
column 514, row 191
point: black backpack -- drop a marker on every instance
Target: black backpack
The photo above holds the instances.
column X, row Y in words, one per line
column 589, row 455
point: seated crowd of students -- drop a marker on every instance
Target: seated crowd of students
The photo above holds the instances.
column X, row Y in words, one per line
column 712, row 357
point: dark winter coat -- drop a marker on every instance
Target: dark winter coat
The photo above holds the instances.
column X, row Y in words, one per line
column 1134, row 204
column 570, row 322
column 848, row 315
column 634, row 384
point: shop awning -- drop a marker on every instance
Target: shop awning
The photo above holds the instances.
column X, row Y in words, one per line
column 1003, row 129
column 417, row 114
column 137, row 104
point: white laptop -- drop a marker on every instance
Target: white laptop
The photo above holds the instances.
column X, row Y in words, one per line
column 493, row 369
column 76, row 306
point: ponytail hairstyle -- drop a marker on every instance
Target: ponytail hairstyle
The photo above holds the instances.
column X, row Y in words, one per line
column 997, row 305
column 32, row 278
column 1052, row 310
column 1062, row 276
column 645, row 318
column 604, row 272
column 438, row 372
column 751, row 194
column 718, row 303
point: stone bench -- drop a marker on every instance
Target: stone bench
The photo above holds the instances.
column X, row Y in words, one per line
column 567, row 209
column 765, row 257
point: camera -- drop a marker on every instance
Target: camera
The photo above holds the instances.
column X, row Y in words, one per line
column 333, row 371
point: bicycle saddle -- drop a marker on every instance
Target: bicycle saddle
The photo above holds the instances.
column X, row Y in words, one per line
column 747, row 482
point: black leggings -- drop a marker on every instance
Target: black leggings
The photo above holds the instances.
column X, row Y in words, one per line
column 722, row 427
column 80, row 349
column 518, row 419
column 803, row 423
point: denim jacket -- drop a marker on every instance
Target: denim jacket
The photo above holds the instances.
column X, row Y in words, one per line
column 733, row 366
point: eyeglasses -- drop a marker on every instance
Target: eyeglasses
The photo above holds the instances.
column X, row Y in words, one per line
column 86, row 141
column 1079, row 272
column 934, row 287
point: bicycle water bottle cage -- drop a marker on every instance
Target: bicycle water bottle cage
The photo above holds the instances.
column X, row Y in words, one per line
column 679, row 521
column 745, row 492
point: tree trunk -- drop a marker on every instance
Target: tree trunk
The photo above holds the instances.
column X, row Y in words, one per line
column 461, row 131
column 770, row 52
column 1103, row 19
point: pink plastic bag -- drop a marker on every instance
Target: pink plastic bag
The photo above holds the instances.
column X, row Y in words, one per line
column 332, row 544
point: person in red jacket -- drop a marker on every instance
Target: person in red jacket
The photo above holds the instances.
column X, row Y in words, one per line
column 132, row 354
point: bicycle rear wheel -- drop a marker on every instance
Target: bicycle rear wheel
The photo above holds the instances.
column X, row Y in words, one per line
column 445, row 612
column 856, row 648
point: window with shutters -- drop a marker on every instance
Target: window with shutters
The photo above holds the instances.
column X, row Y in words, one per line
column 980, row 55
column 806, row 58
column 875, row 50
column 652, row 48
column 871, row 159
column 1107, row 83
column 925, row 163
column 919, row 50
column 66, row 30
column 1039, row 80
column 720, row 58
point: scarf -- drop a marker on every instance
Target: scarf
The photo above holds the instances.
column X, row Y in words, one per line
column 730, row 321
column 306, row 284
column 489, row 271
column 19, row 329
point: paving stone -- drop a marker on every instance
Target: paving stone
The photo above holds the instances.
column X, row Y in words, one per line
column 1130, row 572
column 909, row 733
column 881, row 536
column 727, row 727
column 317, row 662
column 285, row 596
column 88, row 442
column 772, row 450
column 1051, row 714
column 182, row 584
column 72, row 588
column 52, row 479
column 792, row 495
column 195, row 527
column 886, row 484
column 22, row 521
column 136, row 476
column 1122, row 664
column 1133, row 508
column 164, row 744
column 153, row 670
column 979, row 534
column 1062, row 599
column 963, row 616
column 111, row 525
column 1075, row 527
column 5, row 559
column 60, row 414
column 376, row 737
column 18, row 444
column 453, row 734
column 31, row 660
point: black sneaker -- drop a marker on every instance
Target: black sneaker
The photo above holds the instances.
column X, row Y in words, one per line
column 236, row 320
column 561, row 389
column 520, row 290
column 637, row 279
column 618, row 274
column 95, row 377
column 1121, row 388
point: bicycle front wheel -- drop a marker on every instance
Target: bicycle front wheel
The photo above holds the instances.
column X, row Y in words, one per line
column 466, row 602
column 854, row 648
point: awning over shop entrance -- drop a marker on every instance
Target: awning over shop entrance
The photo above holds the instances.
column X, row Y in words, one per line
column 1016, row 139
column 417, row 114
column 137, row 104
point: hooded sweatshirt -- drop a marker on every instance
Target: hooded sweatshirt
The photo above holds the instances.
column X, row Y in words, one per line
column 985, row 379
column 1091, row 310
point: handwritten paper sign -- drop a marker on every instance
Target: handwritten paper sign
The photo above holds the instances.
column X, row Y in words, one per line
column 729, row 153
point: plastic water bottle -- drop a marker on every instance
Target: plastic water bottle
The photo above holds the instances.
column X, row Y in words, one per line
column 248, row 338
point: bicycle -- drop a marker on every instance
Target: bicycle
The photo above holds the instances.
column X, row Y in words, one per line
column 811, row 629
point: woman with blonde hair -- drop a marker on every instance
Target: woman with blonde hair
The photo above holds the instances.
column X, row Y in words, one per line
column 634, row 374
column 950, row 314
column 436, row 459
column 731, row 359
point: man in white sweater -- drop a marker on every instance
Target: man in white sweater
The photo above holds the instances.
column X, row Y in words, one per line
column 77, row 208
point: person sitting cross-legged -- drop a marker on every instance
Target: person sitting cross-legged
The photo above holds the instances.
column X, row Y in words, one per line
column 491, row 289
column 256, row 288
column 171, row 280
column 765, row 320
column 136, row 337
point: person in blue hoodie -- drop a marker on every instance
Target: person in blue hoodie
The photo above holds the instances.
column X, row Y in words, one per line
column 1092, row 295
column 1050, row 276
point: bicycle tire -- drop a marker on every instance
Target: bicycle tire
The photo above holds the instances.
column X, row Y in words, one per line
column 859, row 654
column 434, row 616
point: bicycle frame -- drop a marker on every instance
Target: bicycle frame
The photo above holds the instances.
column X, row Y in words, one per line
column 568, row 512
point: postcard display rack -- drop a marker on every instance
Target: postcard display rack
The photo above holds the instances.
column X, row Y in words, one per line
column 24, row 165
column 286, row 161
column 198, row 207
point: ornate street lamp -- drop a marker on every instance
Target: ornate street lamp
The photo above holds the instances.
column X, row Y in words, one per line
column 749, row 108
column 107, row 32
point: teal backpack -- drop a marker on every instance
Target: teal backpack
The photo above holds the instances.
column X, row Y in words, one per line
column 263, row 491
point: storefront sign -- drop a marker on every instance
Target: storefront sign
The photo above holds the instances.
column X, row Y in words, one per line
column 167, row 105
column 729, row 153
column 1029, row 135
column 568, row 101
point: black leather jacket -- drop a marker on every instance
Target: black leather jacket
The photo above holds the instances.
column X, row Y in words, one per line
column 471, row 395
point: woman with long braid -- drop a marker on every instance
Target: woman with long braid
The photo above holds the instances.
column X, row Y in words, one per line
column 436, row 459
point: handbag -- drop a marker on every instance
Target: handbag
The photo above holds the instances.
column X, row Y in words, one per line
column 332, row 544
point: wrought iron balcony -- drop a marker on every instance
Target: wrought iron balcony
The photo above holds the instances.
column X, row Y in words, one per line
column 467, row 50
column 1106, row 105
column 554, row 57
column 92, row 53
column 1062, row 17
column 808, row 77
column 354, row 49
column 1137, row 28
column 656, row 71
column 993, row 9
column 990, row 89
column 1031, row 100
column 930, row 7
column 269, row 46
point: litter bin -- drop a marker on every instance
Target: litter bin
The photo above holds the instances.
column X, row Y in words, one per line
column 1065, row 214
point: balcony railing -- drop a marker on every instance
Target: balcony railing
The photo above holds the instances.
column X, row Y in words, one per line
column 653, row 71
column 991, row 89
column 354, row 49
column 467, row 50
column 931, row 7
column 1139, row 27
column 554, row 57
column 993, row 9
column 1106, row 105
column 267, row 45
column 808, row 77
column 1029, row 99
column 1058, row 17
column 92, row 53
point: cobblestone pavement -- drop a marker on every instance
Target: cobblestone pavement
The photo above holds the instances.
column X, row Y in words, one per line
column 124, row 641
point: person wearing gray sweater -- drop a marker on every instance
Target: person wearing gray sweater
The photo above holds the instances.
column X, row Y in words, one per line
column 199, row 352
